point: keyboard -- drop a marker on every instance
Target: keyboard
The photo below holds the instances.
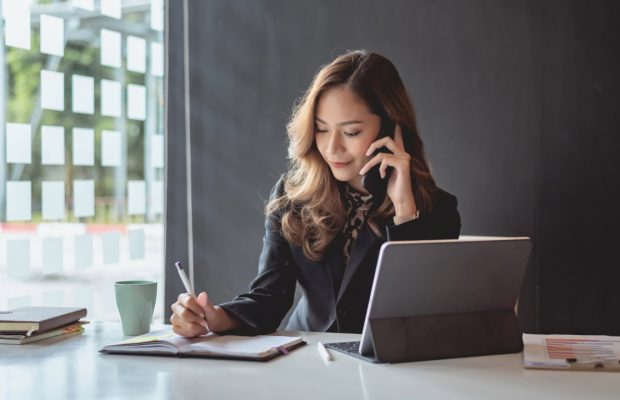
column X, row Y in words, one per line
column 351, row 349
column 345, row 347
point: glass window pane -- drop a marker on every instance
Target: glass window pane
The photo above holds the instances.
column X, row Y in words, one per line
column 81, row 195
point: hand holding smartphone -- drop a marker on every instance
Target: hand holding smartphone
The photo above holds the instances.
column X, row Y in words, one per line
column 372, row 180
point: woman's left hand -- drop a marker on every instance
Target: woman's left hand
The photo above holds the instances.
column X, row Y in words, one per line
column 399, row 186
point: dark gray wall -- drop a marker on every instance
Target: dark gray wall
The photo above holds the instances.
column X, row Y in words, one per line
column 580, row 183
column 496, row 85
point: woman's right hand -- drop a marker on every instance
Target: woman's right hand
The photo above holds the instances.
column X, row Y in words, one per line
column 194, row 316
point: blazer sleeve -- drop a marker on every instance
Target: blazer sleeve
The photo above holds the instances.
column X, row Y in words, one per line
column 271, row 293
column 443, row 222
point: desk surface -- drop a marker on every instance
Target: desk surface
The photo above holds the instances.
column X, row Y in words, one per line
column 72, row 368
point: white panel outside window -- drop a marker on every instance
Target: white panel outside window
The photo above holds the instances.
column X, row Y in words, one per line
column 110, row 98
column 157, row 59
column 111, row 8
column 110, row 148
column 136, row 54
column 18, row 201
column 83, row 89
column 88, row 5
column 136, row 197
column 18, row 257
column 18, row 143
column 52, row 90
column 83, row 146
column 53, row 200
column 52, row 145
column 17, row 24
column 83, row 198
column 136, row 102
column 52, row 35
column 110, row 52
column 157, row 15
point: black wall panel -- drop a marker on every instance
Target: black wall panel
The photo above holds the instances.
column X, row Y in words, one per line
column 513, row 98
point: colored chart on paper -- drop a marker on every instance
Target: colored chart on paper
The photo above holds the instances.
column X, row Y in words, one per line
column 565, row 348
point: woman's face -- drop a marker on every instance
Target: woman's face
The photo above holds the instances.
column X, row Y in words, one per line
column 344, row 129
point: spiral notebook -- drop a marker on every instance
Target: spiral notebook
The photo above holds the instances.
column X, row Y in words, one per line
column 167, row 343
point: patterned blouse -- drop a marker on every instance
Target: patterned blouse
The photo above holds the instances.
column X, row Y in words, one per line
column 357, row 206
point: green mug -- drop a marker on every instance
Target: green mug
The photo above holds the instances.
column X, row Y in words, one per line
column 135, row 301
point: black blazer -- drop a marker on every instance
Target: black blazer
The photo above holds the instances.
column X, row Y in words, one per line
column 333, row 299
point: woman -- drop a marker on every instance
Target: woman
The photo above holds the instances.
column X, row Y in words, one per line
column 323, row 229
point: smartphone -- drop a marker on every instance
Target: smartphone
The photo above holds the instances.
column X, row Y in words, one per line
column 372, row 180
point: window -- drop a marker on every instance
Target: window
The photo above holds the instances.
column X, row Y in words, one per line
column 81, row 151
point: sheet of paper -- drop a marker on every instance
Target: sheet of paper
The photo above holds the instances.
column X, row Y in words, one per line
column 84, row 198
column 52, row 145
column 53, row 199
column 110, row 98
column 18, row 257
column 110, row 148
column 110, row 48
column 157, row 151
column 157, row 197
column 111, row 247
column 136, row 244
column 17, row 24
column 157, row 59
column 84, row 251
column 83, row 99
column 83, row 146
column 88, row 5
column 136, row 54
column 18, row 201
column 52, row 35
column 18, row 143
column 157, row 15
column 111, row 8
column 51, row 255
column 555, row 351
column 136, row 102
column 136, row 197
column 52, row 90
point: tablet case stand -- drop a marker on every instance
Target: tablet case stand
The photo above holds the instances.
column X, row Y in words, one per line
column 432, row 337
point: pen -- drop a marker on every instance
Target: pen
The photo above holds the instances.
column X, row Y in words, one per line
column 188, row 285
column 186, row 282
column 325, row 354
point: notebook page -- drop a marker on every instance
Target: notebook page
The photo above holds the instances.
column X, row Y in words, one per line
column 240, row 346
column 163, row 341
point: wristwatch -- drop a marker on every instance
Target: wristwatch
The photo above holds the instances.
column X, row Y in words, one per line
column 406, row 218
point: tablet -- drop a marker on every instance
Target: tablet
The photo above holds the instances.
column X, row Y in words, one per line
column 444, row 298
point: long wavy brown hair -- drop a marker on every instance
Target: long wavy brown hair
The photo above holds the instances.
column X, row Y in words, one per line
column 311, row 207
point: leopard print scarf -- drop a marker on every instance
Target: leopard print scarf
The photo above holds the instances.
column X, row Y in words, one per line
column 357, row 206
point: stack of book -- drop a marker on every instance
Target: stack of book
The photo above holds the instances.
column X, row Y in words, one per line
column 30, row 324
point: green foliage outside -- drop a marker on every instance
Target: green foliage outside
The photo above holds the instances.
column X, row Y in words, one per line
column 24, row 68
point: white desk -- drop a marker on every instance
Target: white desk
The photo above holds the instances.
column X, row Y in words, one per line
column 73, row 369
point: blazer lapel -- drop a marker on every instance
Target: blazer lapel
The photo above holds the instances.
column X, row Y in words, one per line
column 334, row 260
column 365, row 239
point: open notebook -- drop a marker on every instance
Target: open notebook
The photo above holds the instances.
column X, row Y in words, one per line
column 165, row 342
